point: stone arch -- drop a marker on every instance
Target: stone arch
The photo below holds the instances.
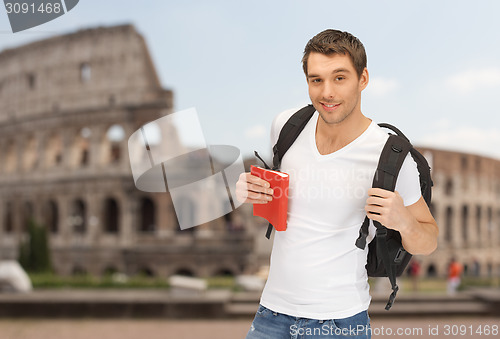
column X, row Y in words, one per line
column 110, row 270
column 475, row 268
column 112, row 145
column 31, row 80
column 51, row 216
column 489, row 269
column 147, row 215
column 30, row 153
column 146, row 271
column 449, row 188
column 464, row 163
column 54, row 150
column 11, row 157
column 465, row 223
column 78, row 220
column 79, row 270
column 8, row 218
column 479, row 217
column 27, row 215
column 111, row 216
column 478, row 164
column 498, row 226
column 448, row 226
column 112, row 100
column 185, row 271
column 81, row 148
column 85, row 72
column 489, row 222
column 224, row 272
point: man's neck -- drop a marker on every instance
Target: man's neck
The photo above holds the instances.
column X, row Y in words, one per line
column 332, row 137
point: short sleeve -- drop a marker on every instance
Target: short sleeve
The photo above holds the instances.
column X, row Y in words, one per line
column 408, row 182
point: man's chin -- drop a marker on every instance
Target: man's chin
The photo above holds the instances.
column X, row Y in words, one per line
column 332, row 119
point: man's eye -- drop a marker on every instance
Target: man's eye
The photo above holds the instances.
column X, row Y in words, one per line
column 339, row 78
column 316, row 80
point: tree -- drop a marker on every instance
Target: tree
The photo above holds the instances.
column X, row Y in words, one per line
column 34, row 254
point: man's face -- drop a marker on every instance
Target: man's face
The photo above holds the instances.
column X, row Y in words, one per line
column 334, row 86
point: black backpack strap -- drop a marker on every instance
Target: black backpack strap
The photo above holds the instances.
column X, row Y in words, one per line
column 383, row 253
column 394, row 129
column 422, row 165
column 269, row 231
column 391, row 160
column 424, row 171
column 390, row 163
column 391, row 262
column 288, row 134
column 363, row 234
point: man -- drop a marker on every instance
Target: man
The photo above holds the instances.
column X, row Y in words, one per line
column 317, row 284
column 454, row 273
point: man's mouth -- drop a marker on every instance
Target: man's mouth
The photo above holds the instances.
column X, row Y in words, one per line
column 329, row 106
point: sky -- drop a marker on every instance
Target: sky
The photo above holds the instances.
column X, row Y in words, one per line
column 433, row 65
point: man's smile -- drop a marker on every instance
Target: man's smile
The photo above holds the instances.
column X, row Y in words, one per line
column 330, row 107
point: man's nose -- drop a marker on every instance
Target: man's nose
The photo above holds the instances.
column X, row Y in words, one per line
column 328, row 90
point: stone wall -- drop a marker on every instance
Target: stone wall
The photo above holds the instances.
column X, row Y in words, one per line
column 466, row 206
column 67, row 107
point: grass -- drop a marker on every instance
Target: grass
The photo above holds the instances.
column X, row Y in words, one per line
column 51, row 281
column 47, row 280
column 439, row 285
column 226, row 282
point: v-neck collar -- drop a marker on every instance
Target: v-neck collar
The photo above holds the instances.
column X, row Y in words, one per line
column 312, row 138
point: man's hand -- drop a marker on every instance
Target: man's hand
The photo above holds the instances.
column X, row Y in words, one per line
column 418, row 228
column 253, row 190
column 388, row 208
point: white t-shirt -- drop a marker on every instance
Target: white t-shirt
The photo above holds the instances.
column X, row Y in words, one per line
column 316, row 269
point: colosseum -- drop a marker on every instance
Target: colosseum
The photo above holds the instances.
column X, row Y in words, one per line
column 68, row 105
column 466, row 206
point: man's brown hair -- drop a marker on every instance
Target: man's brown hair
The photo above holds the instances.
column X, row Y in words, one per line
column 332, row 41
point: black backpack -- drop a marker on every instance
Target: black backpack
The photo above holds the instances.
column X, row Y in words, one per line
column 386, row 255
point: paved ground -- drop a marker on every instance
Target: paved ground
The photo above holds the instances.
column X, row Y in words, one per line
column 231, row 329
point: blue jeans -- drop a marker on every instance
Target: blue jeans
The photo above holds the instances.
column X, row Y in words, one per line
column 271, row 325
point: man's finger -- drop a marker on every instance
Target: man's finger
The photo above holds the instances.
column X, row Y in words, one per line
column 374, row 209
column 259, row 189
column 256, row 180
column 379, row 192
column 374, row 200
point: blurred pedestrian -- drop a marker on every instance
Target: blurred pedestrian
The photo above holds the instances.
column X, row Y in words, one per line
column 414, row 272
column 454, row 273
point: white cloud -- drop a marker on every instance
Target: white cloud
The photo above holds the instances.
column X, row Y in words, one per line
column 465, row 139
column 382, row 86
column 473, row 80
column 256, row 132
column 441, row 124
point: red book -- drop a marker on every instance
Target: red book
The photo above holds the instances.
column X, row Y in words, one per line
column 274, row 211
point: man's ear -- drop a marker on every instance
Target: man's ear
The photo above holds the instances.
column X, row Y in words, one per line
column 364, row 79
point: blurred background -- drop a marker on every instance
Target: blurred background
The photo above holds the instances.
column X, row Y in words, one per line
column 79, row 241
